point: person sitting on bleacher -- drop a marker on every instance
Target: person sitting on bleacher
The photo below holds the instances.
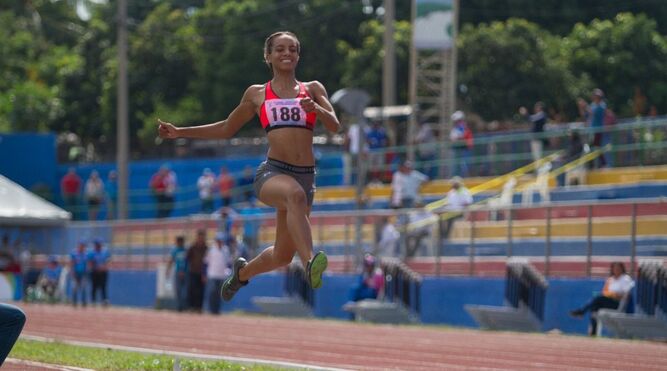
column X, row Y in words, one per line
column 616, row 288
column 458, row 199
column 371, row 281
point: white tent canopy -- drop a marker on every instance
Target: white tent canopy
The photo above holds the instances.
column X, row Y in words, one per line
column 19, row 207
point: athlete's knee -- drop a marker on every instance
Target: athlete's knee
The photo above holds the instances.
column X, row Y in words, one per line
column 297, row 198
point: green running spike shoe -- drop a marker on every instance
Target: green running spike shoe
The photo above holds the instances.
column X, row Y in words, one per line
column 316, row 267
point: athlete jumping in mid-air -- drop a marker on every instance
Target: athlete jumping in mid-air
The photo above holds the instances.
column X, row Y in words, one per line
column 287, row 109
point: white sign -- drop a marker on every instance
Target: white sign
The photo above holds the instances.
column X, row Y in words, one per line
column 434, row 24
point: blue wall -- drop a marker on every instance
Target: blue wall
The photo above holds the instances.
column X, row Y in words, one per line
column 29, row 159
column 442, row 299
column 132, row 288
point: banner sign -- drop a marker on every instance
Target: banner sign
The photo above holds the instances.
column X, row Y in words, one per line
column 434, row 24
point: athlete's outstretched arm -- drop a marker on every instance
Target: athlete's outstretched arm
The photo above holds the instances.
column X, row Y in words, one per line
column 218, row 130
column 320, row 104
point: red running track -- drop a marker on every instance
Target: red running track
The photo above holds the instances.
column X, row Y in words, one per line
column 340, row 344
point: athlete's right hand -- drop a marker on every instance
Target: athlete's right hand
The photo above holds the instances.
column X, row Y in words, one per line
column 167, row 130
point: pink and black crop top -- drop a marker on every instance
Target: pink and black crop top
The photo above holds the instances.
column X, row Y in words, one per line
column 277, row 112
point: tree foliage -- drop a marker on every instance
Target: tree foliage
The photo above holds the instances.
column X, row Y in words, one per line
column 504, row 65
column 620, row 55
column 362, row 65
column 191, row 60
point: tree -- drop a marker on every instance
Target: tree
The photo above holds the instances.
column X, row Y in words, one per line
column 558, row 16
column 505, row 65
column 362, row 64
column 619, row 55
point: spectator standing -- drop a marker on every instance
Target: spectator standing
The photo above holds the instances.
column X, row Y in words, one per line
column 405, row 186
column 178, row 260
column 80, row 269
column 575, row 149
column 420, row 222
column 94, row 194
column 458, row 199
column 99, row 263
column 218, row 262
column 227, row 216
column 538, row 119
column 163, row 183
column 196, row 273
column 598, row 109
column 171, row 183
column 7, row 262
column 616, row 287
column 246, row 183
column 112, row 194
column 584, row 110
column 251, row 225
column 235, row 250
column 462, row 143
column 356, row 146
column 388, row 238
column 12, row 320
column 70, row 187
column 158, row 187
column 206, row 187
column 225, row 186
column 426, row 149
column 377, row 142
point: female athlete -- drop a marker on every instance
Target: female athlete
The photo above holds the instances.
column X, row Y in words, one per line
column 287, row 109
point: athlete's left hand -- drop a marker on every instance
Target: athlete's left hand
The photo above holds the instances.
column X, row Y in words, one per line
column 308, row 105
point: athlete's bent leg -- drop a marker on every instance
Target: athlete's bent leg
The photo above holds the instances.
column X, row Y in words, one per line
column 272, row 257
column 285, row 193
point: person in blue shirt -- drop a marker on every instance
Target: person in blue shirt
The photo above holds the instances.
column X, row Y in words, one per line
column 12, row 320
column 177, row 259
column 370, row 283
column 597, row 109
column 50, row 278
column 377, row 141
column 79, row 269
column 99, row 271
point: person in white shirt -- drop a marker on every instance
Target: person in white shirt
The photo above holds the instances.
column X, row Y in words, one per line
column 420, row 222
column 405, row 186
column 458, row 198
column 206, row 186
column 94, row 194
column 389, row 237
column 218, row 262
column 616, row 287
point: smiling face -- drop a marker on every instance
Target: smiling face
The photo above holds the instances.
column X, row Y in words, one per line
column 281, row 51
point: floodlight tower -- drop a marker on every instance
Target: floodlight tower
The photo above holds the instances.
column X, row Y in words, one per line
column 432, row 90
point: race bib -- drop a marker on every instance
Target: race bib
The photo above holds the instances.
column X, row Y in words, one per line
column 285, row 112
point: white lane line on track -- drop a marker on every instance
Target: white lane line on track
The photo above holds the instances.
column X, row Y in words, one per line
column 200, row 356
column 49, row 366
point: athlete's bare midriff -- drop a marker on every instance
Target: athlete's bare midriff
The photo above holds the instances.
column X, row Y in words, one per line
column 291, row 145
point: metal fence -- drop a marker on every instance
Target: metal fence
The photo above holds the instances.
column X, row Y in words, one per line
column 576, row 238
column 634, row 142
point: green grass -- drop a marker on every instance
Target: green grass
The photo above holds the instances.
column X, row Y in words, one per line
column 109, row 359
